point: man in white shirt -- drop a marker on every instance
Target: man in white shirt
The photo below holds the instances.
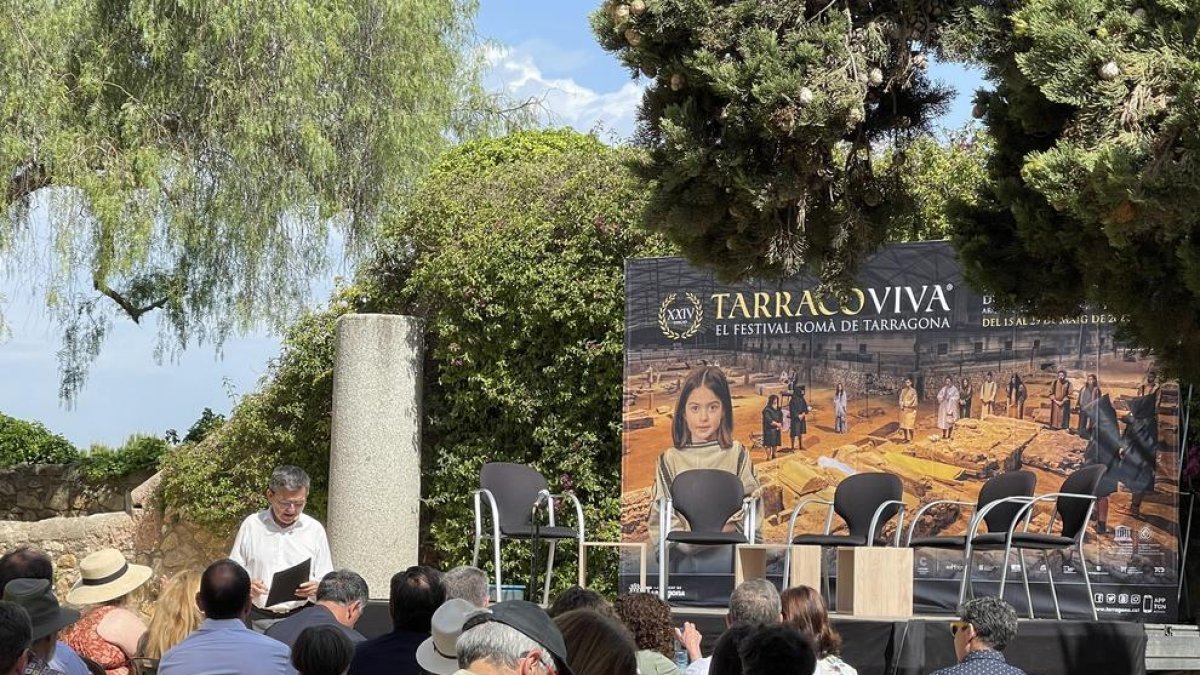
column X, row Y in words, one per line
column 279, row 537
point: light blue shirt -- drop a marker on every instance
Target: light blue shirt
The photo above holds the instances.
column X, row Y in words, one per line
column 67, row 661
column 226, row 647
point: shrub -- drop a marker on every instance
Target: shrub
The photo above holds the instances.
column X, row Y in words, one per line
column 139, row 454
column 24, row 442
column 520, row 282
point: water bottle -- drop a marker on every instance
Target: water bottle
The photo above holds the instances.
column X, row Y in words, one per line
column 681, row 656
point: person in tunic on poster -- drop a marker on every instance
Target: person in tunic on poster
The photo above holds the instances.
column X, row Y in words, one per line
column 947, row 400
column 702, row 438
column 278, row 538
column 1089, row 396
column 1060, row 402
column 987, row 396
column 1140, row 442
column 798, row 409
column 772, row 426
column 908, row 410
column 964, row 399
column 841, row 404
column 1016, row 394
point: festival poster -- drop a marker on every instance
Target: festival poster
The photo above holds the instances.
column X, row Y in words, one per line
column 712, row 377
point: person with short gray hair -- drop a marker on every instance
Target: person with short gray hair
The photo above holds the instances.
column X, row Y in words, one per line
column 754, row 601
column 278, row 538
column 499, row 646
column 512, row 638
column 341, row 599
column 985, row 628
column 467, row 583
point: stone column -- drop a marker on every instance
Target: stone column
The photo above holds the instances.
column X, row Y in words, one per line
column 375, row 458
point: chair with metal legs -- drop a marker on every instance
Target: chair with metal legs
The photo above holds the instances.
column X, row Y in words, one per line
column 998, row 517
column 865, row 501
column 515, row 494
column 706, row 499
column 1073, row 505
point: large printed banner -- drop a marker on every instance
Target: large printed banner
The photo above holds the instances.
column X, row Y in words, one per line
column 910, row 373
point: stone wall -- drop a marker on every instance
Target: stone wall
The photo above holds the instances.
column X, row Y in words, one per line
column 146, row 535
column 30, row 492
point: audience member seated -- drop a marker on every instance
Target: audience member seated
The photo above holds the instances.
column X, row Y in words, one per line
column 322, row 649
column 15, row 638
column 753, row 601
column 109, row 632
column 777, row 650
column 514, row 638
column 803, row 608
column 467, row 583
column 725, row 659
column 416, row 594
column 596, row 644
column 30, row 563
column 648, row 617
column 580, row 598
column 341, row 598
column 46, row 619
column 985, row 627
column 438, row 654
column 175, row 615
column 223, row 643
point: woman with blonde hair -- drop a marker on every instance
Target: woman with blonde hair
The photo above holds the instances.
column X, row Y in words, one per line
column 175, row 615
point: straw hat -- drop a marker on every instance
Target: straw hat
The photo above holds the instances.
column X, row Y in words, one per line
column 105, row 575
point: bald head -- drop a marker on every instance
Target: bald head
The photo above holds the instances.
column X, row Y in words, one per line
column 224, row 591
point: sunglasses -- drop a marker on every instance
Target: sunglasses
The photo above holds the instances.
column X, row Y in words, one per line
column 957, row 626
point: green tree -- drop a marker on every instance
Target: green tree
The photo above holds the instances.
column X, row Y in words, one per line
column 935, row 174
column 190, row 158
column 520, row 282
column 1093, row 187
column 760, row 121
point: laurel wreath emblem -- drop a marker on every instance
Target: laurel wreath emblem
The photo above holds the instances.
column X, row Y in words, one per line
column 697, row 318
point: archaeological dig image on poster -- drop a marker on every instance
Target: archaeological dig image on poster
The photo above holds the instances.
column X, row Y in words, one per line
column 911, row 373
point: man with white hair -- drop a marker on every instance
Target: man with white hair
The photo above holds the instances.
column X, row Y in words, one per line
column 467, row 583
column 512, row 638
column 280, row 537
column 754, row 601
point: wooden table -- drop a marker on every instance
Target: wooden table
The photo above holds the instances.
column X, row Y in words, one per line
column 641, row 547
column 750, row 562
column 875, row 581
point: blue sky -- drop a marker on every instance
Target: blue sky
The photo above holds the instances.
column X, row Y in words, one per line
column 545, row 50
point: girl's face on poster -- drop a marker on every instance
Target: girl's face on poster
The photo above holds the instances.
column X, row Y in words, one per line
column 704, row 413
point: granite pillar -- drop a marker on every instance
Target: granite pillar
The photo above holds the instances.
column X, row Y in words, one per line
column 375, row 454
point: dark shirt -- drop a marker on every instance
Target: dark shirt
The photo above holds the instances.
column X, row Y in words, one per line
column 982, row 662
column 391, row 654
column 289, row 629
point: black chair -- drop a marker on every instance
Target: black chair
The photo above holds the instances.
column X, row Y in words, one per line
column 706, row 499
column 1073, row 505
column 998, row 518
column 515, row 493
column 866, row 502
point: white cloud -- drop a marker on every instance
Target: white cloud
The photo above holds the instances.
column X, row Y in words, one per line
column 566, row 102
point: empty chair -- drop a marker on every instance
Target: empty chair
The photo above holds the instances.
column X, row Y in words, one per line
column 865, row 502
column 1000, row 500
column 706, row 499
column 515, row 494
column 1073, row 505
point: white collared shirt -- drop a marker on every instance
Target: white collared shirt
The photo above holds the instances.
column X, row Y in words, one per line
column 264, row 548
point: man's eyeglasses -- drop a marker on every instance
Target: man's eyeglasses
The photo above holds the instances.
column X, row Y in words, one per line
column 957, row 626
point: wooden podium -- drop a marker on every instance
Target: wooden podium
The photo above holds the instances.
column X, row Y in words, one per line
column 875, row 581
column 750, row 562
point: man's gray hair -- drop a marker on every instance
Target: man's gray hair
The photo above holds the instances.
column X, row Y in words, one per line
column 755, row 601
column 498, row 644
column 467, row 583
column 288, row 477
column 343, row 587
column 995, row 620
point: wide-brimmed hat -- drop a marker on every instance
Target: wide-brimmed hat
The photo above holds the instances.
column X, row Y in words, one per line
column 437, row 654
column 105, row 575
column 530, row 620
column 39, row 602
